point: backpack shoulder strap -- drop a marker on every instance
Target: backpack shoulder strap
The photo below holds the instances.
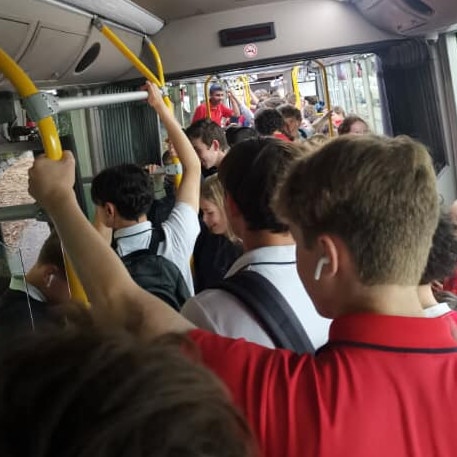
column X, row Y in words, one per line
column 270, row 308
column 157, row 236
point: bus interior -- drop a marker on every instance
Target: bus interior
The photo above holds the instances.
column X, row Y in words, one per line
column 392, row 62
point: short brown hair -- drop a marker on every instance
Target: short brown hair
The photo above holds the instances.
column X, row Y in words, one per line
column 313, row 143
column 377, row 194
column 51, row 252
column 89, row 392
column 207, row 131
column 345, row 126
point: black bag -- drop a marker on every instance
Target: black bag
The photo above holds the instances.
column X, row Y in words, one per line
column 156, row 274
column 270, row 309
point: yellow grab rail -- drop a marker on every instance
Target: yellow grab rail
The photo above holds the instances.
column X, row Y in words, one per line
column 331, row 130
column 159, row 66
column 116, row 41
column 246, row 90
column 157, row 59
column 51, row 142
column 296, row 87
column 208, row 104
column 140, row 66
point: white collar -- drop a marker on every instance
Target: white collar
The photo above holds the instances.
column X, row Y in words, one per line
column 19, row 283
column 437, row 310
column 133, row 238
column 265, row 255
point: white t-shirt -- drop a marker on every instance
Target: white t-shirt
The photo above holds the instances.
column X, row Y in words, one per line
column 181, row 230
column 220, row 312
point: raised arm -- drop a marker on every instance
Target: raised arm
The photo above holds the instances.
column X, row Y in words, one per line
column 235, row 104
column 103, row 276
column 189, row 189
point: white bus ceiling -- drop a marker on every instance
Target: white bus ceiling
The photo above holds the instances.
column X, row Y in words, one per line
column 50, row 37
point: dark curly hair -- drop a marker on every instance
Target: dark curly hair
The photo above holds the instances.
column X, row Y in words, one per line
column 268, row 120
column 126, row 186
column 442, row 259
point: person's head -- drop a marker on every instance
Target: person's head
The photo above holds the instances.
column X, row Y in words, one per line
column 353, row 124
column 363, row 211
column 291, row 98
column 209, row 142
column 212, row 207
column 442, row 259
column 339, row 111
column 314, row 143
column 292, row 119
column 272, row 102
column 88, row 393
column 267, row 121
column 48, row 273
column 123, row 191
column 216, row 94
column 235, row 133
column 250, row 174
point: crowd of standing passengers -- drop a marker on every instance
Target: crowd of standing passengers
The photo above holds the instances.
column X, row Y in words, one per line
column 345, row 235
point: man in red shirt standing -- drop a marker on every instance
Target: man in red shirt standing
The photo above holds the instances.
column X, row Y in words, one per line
column 363, row 211
column 218, row 111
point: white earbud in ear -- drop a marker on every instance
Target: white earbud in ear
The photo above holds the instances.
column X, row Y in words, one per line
column 320, row 264
column 50, row 279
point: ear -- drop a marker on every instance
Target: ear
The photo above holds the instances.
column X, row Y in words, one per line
column 329, row 249
column 48, row 273
column 215, row 145
column 231, row 207
column 110, row 209
column 109, row 212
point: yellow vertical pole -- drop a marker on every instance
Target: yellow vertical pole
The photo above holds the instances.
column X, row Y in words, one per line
column 296, row 87
column 51, row 143
column 331, row 130
column 247, row 91
column 208, row 104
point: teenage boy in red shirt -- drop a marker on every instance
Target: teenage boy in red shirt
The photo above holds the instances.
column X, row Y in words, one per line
column 363, row 212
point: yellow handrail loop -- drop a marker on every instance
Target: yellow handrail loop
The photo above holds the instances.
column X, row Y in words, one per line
column 51, row 143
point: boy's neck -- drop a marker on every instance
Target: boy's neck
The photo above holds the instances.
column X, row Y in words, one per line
column 124, row 223
column 426, row 296
column 389, row 299
column 262, row 238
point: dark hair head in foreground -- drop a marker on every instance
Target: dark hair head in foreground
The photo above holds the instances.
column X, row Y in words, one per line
column 78, row 393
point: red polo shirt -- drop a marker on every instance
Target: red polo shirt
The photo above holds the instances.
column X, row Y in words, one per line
column 217, row 113
column 382, row 386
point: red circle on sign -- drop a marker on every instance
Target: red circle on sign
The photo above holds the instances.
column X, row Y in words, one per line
column 250, row 50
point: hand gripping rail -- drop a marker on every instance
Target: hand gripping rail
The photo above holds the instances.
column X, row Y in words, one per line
column 145, row 71
column 51, row 143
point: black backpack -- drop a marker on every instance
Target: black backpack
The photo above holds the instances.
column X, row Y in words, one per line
column 156, row 274
column 270, row 309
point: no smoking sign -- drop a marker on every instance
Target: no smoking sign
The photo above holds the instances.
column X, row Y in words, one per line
column 250, row 51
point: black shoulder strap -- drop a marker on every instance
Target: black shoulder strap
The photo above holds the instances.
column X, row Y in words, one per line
column 271, row 309
column 157, row 236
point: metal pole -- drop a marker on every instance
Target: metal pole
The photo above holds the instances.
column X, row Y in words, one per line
column 19, row 212
column 71, row 103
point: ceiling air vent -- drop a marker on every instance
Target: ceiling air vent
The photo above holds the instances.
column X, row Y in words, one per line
column 88, row 58
column 420, row 7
